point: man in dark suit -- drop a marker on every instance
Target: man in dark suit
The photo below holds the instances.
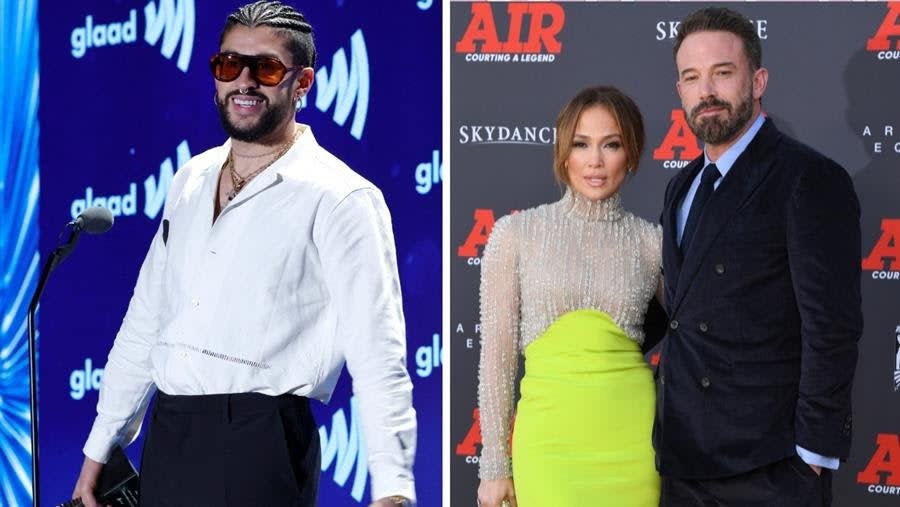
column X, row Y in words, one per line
column 761, row 253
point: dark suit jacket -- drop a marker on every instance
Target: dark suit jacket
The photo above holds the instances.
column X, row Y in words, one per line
column 764, row 313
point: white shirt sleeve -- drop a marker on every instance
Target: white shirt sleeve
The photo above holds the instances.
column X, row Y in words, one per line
column 127, row 386
column 359, row 262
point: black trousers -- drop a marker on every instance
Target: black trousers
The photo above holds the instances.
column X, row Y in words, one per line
column 786, row 483
column 230, row 450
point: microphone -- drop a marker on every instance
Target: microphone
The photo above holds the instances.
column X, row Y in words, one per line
column 94, row 220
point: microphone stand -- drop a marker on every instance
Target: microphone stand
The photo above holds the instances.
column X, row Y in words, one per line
column 56, row 257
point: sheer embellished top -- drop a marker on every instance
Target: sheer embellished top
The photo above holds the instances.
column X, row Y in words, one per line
column 540, row 264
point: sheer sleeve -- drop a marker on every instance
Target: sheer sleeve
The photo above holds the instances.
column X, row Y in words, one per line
column 654, row 255
column 498, row 366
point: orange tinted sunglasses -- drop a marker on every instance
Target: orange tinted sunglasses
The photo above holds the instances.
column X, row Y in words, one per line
column 265, row 70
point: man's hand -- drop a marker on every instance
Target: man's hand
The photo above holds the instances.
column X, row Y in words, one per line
column 87, row 482
column 385, row 502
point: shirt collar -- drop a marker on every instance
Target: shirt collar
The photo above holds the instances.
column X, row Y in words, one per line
column 303, row 146
column 731, row 154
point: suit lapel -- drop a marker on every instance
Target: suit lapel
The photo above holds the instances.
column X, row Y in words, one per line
column 673, row 257
column 748, row 171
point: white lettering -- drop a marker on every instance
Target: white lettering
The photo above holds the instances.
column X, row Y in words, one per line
column 81, row 381
column 99, row 35
column 118, row 205
column 886, row 275
column 669, row 30
column 473, row 261
column 172, row 22
column 551, row 132
column 762, row 29
column 889, row 55
column 463, row 134
column 428, row 174
column 884, row 490
column 156, row 190
column 661, row 30
column 488, row 57
column 675, row 164
column 429, row 357
column 345, row 449
column 346, row 87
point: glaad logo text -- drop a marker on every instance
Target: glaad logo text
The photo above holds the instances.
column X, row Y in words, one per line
column 81, row 381
column 346, row 85
column 346, row 450
column 170, row 21
column 155, row 191
column 429, row 174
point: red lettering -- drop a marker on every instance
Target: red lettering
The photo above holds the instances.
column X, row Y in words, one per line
column 467, row 446
column 679, row 136
column 885, row 461
column 888, row 247
column 538, row 33
column 890, row 28
column 513, row 43
column 478, row 237
column 481, row 28
column 473, row 437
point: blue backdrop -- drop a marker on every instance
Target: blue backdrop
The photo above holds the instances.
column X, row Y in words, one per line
column 126, row 98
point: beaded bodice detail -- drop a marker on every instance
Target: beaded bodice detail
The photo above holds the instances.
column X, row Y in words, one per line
column 540, row 264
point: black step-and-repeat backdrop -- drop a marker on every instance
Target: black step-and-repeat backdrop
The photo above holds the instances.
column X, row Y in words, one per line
column 834, row 79
column 117, row 99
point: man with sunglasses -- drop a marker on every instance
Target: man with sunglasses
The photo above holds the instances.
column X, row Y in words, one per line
column 274, row 265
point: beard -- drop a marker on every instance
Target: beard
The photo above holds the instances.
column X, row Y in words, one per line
column 271, row 118
column 715, row 130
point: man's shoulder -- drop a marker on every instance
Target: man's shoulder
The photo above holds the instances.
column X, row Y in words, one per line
column 200, row 162
column 797, row 153
column 317, row 167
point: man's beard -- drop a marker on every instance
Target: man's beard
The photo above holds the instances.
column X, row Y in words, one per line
column 271, row 118
column 715, row 130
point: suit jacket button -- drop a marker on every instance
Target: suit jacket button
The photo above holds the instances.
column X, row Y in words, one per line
column 673, row 324
column 720, row 269
column 704, row 382
column 704, row 327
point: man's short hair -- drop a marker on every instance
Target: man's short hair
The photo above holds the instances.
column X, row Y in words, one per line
column 720, row 19
column 286, row 21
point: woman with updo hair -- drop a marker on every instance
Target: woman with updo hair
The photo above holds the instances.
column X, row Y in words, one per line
column 568, row 285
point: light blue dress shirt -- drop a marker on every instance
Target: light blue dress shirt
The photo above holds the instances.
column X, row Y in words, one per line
column 724, row 164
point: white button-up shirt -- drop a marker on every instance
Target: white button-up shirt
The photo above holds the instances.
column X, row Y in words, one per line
column 297, row 275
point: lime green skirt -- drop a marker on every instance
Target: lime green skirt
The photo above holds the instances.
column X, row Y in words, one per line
column 583, row 424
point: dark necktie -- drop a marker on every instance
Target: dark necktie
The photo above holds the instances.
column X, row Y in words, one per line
column 704, row 191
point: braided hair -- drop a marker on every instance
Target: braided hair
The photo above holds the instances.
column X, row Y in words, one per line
column 286, row 21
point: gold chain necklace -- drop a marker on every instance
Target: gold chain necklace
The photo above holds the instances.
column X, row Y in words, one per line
column 238, row 182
